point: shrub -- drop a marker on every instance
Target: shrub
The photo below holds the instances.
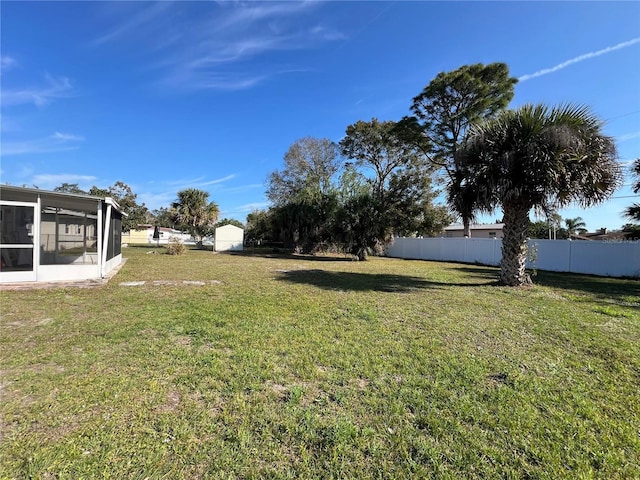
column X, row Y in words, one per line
column 175, row 246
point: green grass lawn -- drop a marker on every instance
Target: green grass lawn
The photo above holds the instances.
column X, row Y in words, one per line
column 315, row 367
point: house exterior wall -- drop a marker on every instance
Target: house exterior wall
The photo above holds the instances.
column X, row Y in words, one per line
column 144, row 236
column 137, row 237
column 477, row 231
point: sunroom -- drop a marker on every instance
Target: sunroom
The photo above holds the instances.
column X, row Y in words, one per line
column 52, row 236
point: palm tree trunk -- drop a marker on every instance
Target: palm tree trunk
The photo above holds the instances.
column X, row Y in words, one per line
column 514, row 246
column 466, row 223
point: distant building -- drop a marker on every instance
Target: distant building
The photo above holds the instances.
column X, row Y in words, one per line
column 143, row 235
column 487, row 230
column 602, row 234
column 53, row 236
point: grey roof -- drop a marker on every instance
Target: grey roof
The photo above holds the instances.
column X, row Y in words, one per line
column 39, row 191
column 482, row 226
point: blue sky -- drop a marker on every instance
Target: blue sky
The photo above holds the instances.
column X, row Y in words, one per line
column 170, row 95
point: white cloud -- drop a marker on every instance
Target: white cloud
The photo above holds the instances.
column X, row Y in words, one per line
column 185, row 181
column 7, row 63
column 243, row 188
column 216, row 181
column 248, row 207
column 164, row 193
column 197, row 182
column 58, row 142
column 67, row 137
column 154, row 201
column 135, row 22
column 244, row 15
column 57, row 87
column 51, row 181
column 215, row 81
column 240, row 212
column 210, row 50
column 325, row 33
column 577, row 59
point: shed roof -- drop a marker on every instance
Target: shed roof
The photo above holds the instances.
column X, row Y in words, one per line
column 229, row 226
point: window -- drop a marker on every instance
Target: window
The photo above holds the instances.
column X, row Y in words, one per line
column 68, row 236
column 72, row 229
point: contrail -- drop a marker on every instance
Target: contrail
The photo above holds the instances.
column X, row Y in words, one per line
column 586, row 56
column 628, row 136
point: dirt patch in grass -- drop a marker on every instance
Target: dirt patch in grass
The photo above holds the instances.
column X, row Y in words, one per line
column 171, row 404
column 184, row 341
column 279, row 389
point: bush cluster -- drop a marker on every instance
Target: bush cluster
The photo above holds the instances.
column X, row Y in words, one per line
column 175, row 246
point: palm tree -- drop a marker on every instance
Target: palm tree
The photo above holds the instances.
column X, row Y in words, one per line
column 536, row 157
column 193, row 212
column 633, row 212
column 554, row 220
column 461, row 198
column 575, row 225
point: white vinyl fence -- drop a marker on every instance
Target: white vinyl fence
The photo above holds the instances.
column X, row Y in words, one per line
column 619, row 259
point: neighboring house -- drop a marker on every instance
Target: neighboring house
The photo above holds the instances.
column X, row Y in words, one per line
column 602, row 234
column 487, row 230
column 52, row 236
column 143, row 235
column 229, row 238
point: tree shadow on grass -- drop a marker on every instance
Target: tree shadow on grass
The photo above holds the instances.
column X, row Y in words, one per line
column 485, row 273
column 602, row 287
column 360, row 282
column 264, row 253
column 618, row 289
column 357, row 281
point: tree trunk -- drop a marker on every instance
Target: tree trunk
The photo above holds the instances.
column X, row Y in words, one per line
column 466, row 223
column 514, row 246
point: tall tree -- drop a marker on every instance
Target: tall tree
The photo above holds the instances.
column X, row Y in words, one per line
column 633, row 212
column 123, row 194
column 360, row 225
column 575, row 226
column 163, row 217
column 444, row 111
column 539, row 229
column 259, row 227
column 631, row 231
column 536, row 157
column 310, row 165
column 400, row 196
column 303, row 194
column 193, row 212
column 550, row 228
column 380, row 147
column 409, row 204
column 69, row 188
column 401, row 179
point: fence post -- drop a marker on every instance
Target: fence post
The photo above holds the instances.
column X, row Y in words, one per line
column 570, row 255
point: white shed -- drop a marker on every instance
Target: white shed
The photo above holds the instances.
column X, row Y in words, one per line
column 229, row 238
